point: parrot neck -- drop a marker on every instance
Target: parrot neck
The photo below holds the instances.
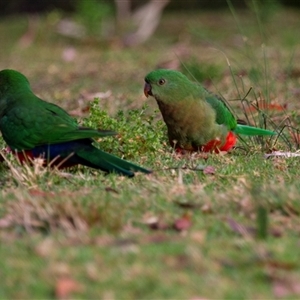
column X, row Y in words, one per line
column 174, row 113
column 166, row 109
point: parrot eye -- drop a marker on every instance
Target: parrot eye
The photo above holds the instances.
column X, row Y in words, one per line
column 161, row 81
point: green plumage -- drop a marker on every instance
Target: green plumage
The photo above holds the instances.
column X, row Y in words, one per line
column 28, row 122
column 194, row 117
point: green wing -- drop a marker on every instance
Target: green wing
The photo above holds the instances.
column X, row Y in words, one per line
column 223, row 114
column 26, row 126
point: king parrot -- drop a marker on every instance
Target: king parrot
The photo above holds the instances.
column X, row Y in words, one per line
column 33, row 128
column 196, row 119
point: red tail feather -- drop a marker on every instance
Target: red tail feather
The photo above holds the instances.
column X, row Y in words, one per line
column 214, row 145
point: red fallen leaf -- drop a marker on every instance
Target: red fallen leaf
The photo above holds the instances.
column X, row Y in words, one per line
column 65, row 286
column 183, row 223
column 264, row 105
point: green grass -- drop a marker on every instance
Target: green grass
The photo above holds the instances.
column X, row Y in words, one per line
column 119, row 238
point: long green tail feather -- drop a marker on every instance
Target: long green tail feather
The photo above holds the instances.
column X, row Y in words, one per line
column 249, row 130
column 99, row 159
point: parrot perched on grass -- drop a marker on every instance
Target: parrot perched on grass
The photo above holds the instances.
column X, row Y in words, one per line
column 35, row 128
column 196, row 119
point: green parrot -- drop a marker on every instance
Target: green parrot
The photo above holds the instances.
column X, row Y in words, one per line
column 33, row 128
column 196, row 119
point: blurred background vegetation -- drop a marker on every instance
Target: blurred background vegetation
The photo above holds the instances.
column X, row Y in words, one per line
column 132, row 21
column 24, row 6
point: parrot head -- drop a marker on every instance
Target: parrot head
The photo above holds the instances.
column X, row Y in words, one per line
column 12, row 80
column 166, row 85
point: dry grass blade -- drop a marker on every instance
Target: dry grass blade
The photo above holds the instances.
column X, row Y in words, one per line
column 29, row 174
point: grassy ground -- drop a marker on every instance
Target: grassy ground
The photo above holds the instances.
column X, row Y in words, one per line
column 219, row 226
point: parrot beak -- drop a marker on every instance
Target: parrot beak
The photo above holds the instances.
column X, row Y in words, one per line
column 148, row 89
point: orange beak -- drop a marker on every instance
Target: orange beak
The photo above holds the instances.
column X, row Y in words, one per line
column 148, row 89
